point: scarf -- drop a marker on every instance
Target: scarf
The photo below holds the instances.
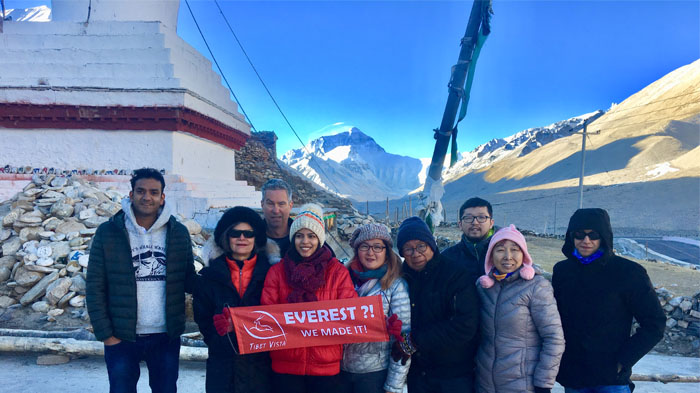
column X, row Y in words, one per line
column 306, row 275
column 360, row 275
column 590, row 258
column 500, row 277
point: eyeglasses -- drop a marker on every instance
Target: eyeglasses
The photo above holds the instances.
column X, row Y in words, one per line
column 479, row 219
column 410, row 251
column 580, row 235
column 236, row 233
column 375, row 247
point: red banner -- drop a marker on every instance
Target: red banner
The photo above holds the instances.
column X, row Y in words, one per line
column 295, row 325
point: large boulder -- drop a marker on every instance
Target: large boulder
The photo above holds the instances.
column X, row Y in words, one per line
column 39, row 289
column 11, row 246
column 26, row 277
column 57, row 289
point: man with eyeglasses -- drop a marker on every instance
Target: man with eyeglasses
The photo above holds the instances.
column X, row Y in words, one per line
column 444, row 315
column 476, row 222
column 598, row 293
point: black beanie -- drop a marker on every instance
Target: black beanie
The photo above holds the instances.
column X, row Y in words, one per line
column 413, row 228
column 237, row 215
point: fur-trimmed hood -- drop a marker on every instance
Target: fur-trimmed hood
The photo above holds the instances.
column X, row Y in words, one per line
column 211, row 251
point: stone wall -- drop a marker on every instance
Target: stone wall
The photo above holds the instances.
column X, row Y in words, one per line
column 257, row 162
column 682, row 334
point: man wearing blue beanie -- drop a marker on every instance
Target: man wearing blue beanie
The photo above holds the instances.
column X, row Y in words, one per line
column 444, row 315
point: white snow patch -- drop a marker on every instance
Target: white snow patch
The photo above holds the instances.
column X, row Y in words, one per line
column 338, row 154
column 661, row 169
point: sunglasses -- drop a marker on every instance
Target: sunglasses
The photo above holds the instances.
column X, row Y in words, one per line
column 580, row 235
column 236, row 233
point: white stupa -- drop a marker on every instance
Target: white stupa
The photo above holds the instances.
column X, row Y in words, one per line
column 115, row 91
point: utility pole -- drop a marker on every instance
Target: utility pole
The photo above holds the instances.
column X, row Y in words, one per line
column 478, row 28
column 387, row 209
column 583, row 154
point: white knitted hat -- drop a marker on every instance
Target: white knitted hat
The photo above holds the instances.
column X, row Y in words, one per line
column 311, row 218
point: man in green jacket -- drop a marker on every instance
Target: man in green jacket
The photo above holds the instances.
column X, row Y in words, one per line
column 140, row 267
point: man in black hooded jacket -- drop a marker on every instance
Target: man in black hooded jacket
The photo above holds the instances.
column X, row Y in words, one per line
column 598, row 294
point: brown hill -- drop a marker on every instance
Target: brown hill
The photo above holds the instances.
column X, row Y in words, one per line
column 643, row 165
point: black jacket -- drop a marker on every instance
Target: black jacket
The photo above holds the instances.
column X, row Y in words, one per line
column 471, row 255
column 597, row 302
column 444, row 318
column 228, row 372
column 111, row 280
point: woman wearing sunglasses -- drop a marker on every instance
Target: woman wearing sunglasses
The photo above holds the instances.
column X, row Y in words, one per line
column 307, row 273
column 598, row 294
column 521, row 336
column 376, row 270
column 233, row 279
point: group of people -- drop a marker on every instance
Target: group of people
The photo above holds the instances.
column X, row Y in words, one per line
column 476, row 317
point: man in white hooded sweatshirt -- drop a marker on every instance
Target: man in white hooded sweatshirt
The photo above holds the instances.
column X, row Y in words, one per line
column 140, row 267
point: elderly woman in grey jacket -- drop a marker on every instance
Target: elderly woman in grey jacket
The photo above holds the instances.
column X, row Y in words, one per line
column 521, row 335
column 376, row 270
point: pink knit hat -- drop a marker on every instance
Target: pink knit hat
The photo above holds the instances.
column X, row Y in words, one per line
column 508, row 233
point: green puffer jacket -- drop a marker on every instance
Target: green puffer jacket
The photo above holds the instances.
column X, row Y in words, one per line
column 111, row 280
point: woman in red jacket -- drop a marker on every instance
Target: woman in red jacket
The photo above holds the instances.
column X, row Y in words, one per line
column 307, row 273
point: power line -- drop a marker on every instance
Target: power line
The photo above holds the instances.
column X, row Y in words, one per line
column 274, row 101
column 269, row 93
column 221, row 72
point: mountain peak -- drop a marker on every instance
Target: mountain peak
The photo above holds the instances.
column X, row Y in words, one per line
column 353, row 138
column 351, row 163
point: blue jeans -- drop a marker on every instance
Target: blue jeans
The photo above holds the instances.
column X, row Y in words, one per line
column 601, row 389
column 162, row 356
column 362, row 383
column 419, row 383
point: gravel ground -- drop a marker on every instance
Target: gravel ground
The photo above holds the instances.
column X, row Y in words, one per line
column 20, row 373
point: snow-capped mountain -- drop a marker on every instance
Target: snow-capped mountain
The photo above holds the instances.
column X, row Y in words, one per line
column 351, row 164
column 516, row 145
column 41, row 13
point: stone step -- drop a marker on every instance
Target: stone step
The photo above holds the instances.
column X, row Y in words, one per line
column 230, row 202
column 93, row 55
column 93, row 28
column 136, row 41
column 191, row 207
column 223, row 194
column 112, row 83
column 87, row 70
column 192, row 185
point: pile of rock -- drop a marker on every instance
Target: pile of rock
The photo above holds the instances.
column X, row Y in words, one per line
column 347, row 223
column 682, row 334
column 45, row 237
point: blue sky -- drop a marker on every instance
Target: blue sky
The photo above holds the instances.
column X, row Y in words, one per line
column 384, row 66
